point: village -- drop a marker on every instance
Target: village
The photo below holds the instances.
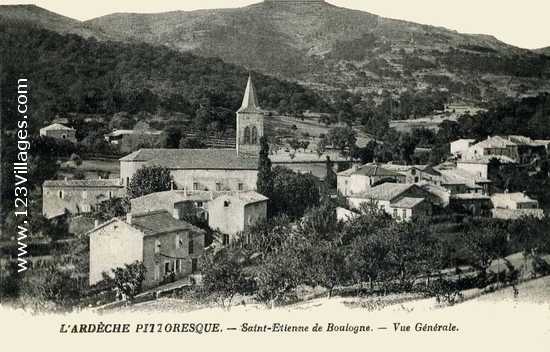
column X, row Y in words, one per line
column 218, row 187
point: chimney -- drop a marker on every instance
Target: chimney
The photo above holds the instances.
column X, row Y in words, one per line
column 96, row 223
column 129, row 218
column 176, row 213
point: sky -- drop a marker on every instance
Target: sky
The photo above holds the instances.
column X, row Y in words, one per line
column 521, row 23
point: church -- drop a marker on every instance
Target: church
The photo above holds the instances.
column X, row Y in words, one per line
column 210, row 169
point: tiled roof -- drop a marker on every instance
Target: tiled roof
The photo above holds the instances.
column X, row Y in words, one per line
column 495, row 142
column 517, row 197
column 159, row 222
column 166, row 199
column 123, row 132
column 375, row 170
column 459, row 176
column 485, row 159
column 385, row 191
column 221, row 159
column 97, row 183
column 407, row 202
column 471, row 196
column 248, row 197
column 56, row 127
column 405, row 168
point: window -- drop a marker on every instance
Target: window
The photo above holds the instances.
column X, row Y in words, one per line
column 199, row 204
column 226, row 203
column 413, row 171
column 86, row 208
column 195, row 186
column 248, row 238
column 225, row 240
column 191, row 246
column 247, row 134
column 346, row 182
column 218, row 186
column 395, row 213
column 157, row 246
column 240, row 188
column 415, row 179
column 404, row 213
column 127, row 181
column 64, row 136
column 60, row 194
column 110, row 194
column 254, row 135
column 84, row 194
column 157, row 272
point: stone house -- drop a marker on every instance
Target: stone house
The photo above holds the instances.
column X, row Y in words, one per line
column 359, row 178
column 515, row 205
column 59, row 131
column 460, row 146
column 233, row 213
column 401, row 201
column 168, row 247
column 76, row 196
column 229, row 212
column 415, row 173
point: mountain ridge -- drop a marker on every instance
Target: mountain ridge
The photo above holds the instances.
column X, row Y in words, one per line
column 331, row 47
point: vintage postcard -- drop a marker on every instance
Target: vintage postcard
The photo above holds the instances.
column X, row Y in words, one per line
column 275, row 174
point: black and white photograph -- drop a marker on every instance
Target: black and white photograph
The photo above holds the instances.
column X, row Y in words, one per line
column 275, row 174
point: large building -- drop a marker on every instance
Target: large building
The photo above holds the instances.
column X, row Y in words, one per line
column 169, row 248
column 210, row 169
column 76, row 196
column 229, row 212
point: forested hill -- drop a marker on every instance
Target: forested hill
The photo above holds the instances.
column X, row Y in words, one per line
column 67, row 73
column 330, row 46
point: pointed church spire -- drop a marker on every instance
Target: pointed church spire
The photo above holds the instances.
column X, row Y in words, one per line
column 250, row 101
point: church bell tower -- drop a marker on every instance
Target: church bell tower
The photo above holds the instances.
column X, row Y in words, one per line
column 250, row 123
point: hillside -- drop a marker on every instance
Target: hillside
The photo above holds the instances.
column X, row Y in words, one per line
column 41, row 18
column 70, row 74
column 332, row 47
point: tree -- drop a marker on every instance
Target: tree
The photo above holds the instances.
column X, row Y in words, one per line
column 76, row 159
column 150, row 179
column 112, row 208
column 127, row 280
column 191, row 143
column 224, row 278
column 331, row 179
column 277, row 276
column 295, row 144
column 264, row 184
column 343, row 138
column 293, row 193
column 171, row 136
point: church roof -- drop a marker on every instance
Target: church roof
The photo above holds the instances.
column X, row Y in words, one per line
column 214, row 159
column 97, row 183
column 250, row 100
